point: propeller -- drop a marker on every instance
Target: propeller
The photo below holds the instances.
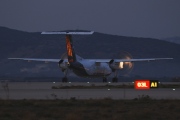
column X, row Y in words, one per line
column 124, row 67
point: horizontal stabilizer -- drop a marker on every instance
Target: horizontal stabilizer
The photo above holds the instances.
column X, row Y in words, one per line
column 70, row 33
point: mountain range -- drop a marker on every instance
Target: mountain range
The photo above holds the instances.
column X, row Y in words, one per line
column 15, row 43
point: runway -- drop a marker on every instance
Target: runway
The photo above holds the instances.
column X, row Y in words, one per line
column 43, row 90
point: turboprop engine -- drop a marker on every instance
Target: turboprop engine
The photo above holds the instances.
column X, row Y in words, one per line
column 116, row 65
column 123, row 67
column 63, row 63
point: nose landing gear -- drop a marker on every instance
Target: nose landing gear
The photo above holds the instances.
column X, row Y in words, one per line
column 65, row 79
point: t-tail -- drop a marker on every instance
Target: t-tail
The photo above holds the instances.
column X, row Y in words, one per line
column 69, row 42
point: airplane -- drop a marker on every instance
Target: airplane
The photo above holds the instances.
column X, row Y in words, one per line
column 91, row 68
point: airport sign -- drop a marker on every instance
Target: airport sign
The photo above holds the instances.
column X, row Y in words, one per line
column 145, row 84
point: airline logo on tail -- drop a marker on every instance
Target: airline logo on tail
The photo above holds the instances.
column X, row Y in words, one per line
column 69, row 47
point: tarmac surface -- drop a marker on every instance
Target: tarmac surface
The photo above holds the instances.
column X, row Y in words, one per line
column 43, row 90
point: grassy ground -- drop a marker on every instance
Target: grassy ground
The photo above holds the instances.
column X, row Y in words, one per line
column 142, row 108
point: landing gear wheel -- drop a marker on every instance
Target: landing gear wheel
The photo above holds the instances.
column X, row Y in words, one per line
column 115, row 79
column 64, row 79
column 104, row 80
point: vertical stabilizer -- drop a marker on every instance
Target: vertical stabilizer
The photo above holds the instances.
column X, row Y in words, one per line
column 70, row 50
column 69, row 43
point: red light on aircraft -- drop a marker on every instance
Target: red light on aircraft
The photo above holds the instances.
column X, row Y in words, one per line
column 142, row 84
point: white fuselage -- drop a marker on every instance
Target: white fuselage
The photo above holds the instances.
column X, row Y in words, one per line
column 90, row 68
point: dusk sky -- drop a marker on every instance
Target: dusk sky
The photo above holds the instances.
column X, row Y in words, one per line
column 139, row 18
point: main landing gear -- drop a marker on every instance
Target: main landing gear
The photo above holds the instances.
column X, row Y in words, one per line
column 115, row 78
column 104, row 79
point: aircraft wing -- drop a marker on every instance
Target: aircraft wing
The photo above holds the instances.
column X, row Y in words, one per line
column 130, row 60
column 36, row 59
column 96, row 60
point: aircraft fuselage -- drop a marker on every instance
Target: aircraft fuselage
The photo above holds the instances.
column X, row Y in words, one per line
column 89, row 68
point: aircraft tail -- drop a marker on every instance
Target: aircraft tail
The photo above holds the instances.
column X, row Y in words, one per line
column 69, row 43
column 70, row 50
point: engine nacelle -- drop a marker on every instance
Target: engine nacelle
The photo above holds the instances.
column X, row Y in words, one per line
column 116, row 65
column 63, row 65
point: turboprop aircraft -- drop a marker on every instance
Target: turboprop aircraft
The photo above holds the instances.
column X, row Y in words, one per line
column 91, row 68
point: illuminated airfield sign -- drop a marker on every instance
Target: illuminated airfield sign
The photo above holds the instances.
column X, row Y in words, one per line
column 145, row 84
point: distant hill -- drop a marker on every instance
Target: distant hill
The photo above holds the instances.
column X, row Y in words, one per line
column 14, row 43
column 173, row 39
